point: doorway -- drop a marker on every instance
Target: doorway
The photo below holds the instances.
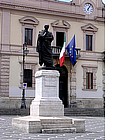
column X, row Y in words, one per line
column 60, row 39
column 63, row 84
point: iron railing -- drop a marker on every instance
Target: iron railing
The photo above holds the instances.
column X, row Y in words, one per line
column 57, row 49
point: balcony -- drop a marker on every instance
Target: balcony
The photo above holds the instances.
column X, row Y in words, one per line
column 56, row 51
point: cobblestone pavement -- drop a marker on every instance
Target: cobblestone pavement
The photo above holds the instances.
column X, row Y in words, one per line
column 95, row 130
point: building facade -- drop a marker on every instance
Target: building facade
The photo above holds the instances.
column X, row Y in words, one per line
column 82, row 85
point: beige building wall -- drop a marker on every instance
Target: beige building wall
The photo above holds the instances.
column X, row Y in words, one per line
column 15, row 33
column 12, row 51
column 100, row 39
column 14, row 80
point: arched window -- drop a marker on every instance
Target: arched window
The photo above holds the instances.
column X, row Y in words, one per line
column 28, row 30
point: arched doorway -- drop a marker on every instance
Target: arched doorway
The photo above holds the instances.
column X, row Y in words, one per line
column 63, row 84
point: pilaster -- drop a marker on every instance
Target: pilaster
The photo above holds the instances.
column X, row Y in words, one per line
column 6, row 30
column 4, row 75
column 73, row 88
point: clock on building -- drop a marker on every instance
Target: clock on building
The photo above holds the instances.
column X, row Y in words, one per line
column 88, row 8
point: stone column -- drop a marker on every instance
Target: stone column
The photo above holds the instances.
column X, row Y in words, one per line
column 47, row 102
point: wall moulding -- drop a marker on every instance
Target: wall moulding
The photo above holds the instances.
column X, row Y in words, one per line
column 49, row 7
column 60, row 24
column 90, row 55
column 29, row 20
column 89, row 27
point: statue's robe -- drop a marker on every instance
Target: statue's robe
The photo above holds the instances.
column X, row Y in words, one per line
column 44, row 48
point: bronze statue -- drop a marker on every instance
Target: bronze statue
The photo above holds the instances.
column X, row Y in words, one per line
column 44, row 47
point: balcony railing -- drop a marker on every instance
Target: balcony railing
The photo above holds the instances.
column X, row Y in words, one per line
column 56, row 51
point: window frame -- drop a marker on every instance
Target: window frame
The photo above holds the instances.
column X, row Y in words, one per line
column 87, row 33
column 33, row 34
column 28, row 37
column 89, row 29
column 25, row 81
column 29, row 22
column 28, row 65
column 93, row 70
column 88, row 47
column 63, row 38
column 60, row 26
column 59, row 30
column 89, row 80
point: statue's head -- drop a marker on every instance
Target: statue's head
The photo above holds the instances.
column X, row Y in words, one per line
column 46, row 27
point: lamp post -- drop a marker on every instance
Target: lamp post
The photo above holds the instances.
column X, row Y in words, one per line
column 25, row 52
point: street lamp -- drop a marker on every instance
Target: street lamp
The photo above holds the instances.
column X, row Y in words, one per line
column 25, row 52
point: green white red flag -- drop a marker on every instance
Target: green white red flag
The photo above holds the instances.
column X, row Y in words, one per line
column 62, row 53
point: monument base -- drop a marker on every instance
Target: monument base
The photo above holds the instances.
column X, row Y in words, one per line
column 39, row 124
column 47, row 102
column 47, row 110
column 49, row 107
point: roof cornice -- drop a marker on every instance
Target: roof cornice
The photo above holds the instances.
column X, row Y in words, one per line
column 72, row 10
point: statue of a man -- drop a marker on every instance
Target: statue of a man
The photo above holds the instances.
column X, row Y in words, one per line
column 44, row 47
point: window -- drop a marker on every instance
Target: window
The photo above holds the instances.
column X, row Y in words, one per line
column 59, row 39
column 29, row 24
column 29, row 73
column 28, row 36
column 89, row 77
column 28, row 77
column 89, row 80
column 89, row 33
column 89, row 42
column 60, row 29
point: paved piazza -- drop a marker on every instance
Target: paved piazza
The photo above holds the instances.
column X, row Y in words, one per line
column 95, row 130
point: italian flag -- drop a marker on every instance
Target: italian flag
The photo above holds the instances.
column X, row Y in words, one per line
column 62, row 53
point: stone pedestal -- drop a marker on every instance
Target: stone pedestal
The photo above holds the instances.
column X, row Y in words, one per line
column 47, row 110
column 47, row 102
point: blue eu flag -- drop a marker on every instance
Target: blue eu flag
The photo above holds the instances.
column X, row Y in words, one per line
column 72, row 51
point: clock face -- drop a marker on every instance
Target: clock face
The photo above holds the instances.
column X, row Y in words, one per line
column 88, row 8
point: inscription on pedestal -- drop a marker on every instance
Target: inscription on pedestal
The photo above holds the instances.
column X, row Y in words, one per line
column 50, row 87
column 49, row 82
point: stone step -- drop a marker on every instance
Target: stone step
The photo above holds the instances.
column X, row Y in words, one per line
column 48, row 126
column 59, row 130
column 96, row 112
column 56, row 120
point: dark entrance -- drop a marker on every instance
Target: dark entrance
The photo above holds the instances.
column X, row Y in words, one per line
column 63, row 84
column 60, row 39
